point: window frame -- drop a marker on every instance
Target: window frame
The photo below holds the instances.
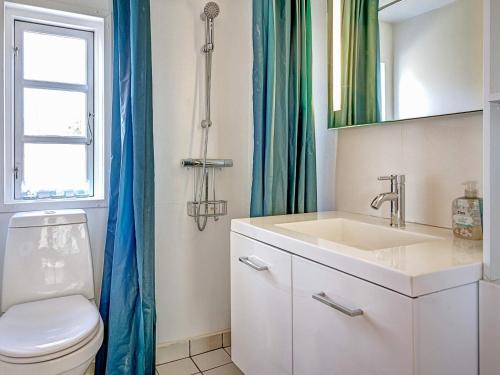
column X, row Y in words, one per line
column 20, row 84
column 101, row 28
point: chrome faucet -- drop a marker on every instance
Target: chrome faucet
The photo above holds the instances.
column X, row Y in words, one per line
column 396, row 197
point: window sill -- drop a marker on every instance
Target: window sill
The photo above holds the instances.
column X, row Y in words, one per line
column 50, row 204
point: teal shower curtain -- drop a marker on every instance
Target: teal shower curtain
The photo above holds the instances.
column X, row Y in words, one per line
column 360, row 64
column 128, row 291
column 284, row 161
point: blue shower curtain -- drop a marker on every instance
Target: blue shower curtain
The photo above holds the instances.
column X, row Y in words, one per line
column 128, row 291
column 284, row 161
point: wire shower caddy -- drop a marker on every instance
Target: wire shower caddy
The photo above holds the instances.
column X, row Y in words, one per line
column 210, row 206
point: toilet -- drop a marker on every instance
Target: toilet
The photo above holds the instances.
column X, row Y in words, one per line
column 49, row 323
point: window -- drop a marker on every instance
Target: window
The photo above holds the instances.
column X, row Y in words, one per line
column 54, row 106
column 383, row 92
column 54, row 111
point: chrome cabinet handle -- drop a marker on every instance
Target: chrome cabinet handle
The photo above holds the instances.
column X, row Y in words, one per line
column 323, row 298
column 251, row 264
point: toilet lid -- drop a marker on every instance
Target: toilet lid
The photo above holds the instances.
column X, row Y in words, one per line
column 44, row 327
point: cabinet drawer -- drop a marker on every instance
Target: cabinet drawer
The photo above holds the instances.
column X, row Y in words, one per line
column 350, row 326
column 261, row 308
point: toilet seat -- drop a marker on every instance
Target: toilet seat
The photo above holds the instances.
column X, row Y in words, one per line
column 44, row 330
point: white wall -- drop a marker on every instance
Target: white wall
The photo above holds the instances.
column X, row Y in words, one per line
column 437, row 59
column 193, row 267
column 326, row 140
column 437, row 155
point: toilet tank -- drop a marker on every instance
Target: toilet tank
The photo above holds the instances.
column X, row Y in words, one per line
column 47, row 255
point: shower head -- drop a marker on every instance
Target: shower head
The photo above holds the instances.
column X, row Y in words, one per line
column 211, row 10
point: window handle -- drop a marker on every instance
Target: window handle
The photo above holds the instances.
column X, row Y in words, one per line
column 16, row 172
column 89, row 127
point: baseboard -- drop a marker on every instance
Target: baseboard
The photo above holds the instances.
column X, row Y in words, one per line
column 175, row 350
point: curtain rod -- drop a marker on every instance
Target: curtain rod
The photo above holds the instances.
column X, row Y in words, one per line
column 389, row 4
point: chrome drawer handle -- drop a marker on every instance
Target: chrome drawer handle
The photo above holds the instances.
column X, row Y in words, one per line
column 251, row 264
column 322, row 297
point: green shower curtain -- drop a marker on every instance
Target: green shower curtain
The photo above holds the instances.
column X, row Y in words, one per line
column 360, row 64
column 284, row 162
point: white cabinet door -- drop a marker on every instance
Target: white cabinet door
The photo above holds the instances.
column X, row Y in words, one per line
column 261, row 308
column 446, row 330
column 327, row 341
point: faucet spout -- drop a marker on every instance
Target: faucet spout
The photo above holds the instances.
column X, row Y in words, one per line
column 384, row 197
column 396, row 197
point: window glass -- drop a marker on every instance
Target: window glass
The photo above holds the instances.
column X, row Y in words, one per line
column 54, row 58
column 54, row 170
column 55, row 113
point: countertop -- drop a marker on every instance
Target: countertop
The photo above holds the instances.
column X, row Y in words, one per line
column 414, row 270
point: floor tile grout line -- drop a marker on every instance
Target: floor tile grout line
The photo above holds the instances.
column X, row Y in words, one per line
column 175, row 360
column 192, row 360
column 230, row 361
column 195, row 364
column 190, row 356
column 208, row 351
column 210, row 369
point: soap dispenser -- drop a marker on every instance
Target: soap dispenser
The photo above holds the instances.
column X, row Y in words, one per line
column 467, row 214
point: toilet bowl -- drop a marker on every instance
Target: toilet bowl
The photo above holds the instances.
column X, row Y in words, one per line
column 50, row 324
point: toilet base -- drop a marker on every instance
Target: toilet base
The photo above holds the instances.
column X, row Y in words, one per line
column 80, row 370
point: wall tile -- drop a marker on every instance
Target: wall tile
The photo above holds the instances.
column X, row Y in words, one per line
column 205, row 344
column 364, row 154
column 226, row 339
column 437, row 155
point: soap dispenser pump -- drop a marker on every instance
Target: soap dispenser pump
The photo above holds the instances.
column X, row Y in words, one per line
column 467, row 212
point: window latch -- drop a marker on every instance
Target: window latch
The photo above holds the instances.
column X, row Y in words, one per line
column 90, row 137
column 16, row 172
column 16, row 51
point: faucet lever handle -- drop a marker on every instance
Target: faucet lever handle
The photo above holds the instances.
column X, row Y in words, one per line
column 388, row 178
column 394, row 178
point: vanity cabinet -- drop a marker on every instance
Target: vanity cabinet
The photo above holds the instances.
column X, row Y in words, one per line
column 338, row 324
column 261, row 307
column 369, row 333
column 348, row 326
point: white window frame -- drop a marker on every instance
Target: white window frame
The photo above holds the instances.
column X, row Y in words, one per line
column 20, row 27
column 64, row 20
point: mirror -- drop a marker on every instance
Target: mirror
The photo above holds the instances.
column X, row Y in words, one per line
column 430, row 59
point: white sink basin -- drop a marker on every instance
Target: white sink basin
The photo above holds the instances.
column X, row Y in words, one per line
column 357, row 234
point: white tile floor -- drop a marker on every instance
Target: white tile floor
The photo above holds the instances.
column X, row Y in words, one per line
column 216, row 362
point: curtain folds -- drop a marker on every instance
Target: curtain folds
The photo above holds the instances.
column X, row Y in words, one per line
column 284, row 161
column 360, row 64
column 128, row 291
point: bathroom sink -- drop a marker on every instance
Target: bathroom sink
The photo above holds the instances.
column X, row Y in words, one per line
column 357, row 234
